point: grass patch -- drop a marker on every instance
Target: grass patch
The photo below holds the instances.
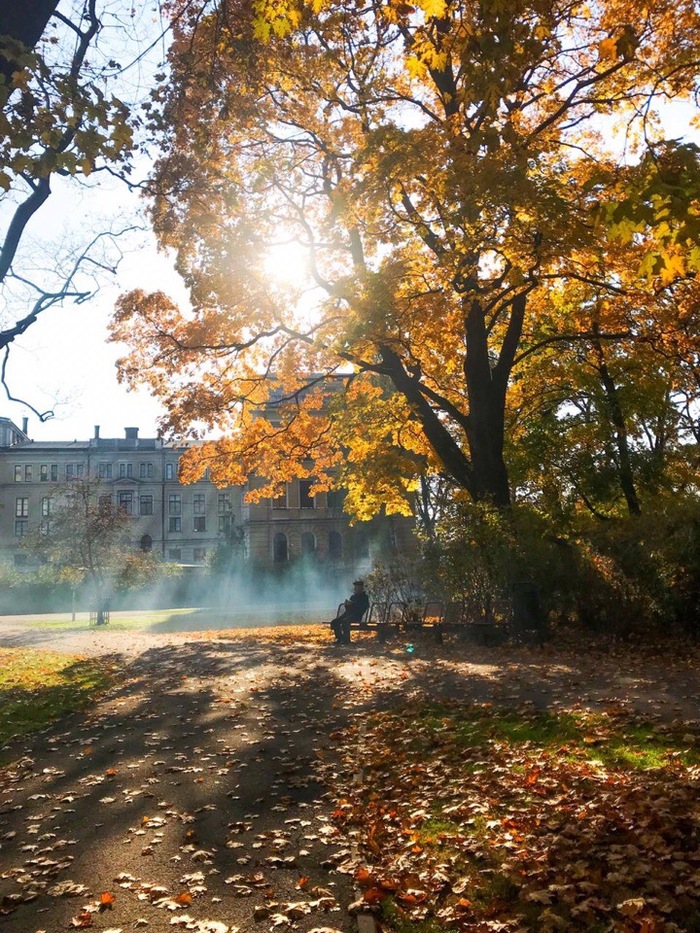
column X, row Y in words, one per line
column 37, row 687
column 188, row 619
column 613, row 742
column 397, row 920
column 119, row 622
column 472, row 814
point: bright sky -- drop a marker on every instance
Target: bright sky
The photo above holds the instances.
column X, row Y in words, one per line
column 64, row 363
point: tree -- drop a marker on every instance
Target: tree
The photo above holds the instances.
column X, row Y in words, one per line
column 59, row 123
column 602, row 422
column 25, row 25
column 448, row 169
column 86, row 537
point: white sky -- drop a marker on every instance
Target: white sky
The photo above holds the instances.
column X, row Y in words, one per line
column 64, row 363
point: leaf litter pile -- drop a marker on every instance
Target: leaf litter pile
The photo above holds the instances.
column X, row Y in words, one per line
column 265, row 781
column 472, row 818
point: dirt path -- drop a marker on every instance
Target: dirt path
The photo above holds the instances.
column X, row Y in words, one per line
column 199, row 793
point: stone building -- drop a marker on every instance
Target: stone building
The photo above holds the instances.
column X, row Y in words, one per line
column 183, row 524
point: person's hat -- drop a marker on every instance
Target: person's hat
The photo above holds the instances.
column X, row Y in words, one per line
column 358, row 583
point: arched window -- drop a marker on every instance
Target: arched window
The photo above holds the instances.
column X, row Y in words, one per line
column 280, row 551
column 146, row 544
column 308, row 544
column 335, row 545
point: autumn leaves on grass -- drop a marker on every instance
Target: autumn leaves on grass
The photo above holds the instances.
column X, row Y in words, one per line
column 476, row 819
column 37, row 687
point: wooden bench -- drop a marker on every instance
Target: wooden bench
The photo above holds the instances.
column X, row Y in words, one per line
column 383, row 617
column 393, row 617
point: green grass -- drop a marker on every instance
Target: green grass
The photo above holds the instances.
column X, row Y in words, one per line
column 393, row 916
column 119, row 622
column 591, row 736
column 37, row 687
column 189, row 619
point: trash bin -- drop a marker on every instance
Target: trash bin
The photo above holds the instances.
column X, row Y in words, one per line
column 527, row 612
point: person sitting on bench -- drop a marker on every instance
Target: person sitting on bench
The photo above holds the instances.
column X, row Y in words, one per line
column 355, row 608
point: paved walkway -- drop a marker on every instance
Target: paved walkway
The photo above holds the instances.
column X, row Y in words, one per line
column 199, row 793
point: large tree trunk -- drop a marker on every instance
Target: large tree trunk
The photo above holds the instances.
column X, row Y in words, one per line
column 617, row 417
column 25, row 21
column 486, row 393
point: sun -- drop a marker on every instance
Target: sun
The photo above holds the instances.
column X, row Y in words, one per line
column 287, row 262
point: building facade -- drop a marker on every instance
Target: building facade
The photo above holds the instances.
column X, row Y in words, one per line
column 182, row 524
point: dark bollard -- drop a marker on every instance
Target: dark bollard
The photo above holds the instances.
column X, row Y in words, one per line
column 527, row 613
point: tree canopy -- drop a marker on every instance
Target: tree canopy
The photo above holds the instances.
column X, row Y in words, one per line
column 61, row 121
column 485, row 205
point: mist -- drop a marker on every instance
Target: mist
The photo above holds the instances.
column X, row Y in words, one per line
column 244, row 596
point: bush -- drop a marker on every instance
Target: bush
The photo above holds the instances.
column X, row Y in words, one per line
column 643, row 574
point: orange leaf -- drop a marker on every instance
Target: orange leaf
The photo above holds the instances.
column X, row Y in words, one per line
column 107, row 899
column 184, row 899
column 374, row 895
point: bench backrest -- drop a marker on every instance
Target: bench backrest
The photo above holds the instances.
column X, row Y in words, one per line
column 433, row 612
column 378, row 613
column 454, row 612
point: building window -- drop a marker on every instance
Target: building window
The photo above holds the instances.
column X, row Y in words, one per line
column 48, row 471
column 21, row 528
column 80, row 470
column 170, row 471
column 335, row 545
column 145, row 471
column 70, row 468
column 146, row 505
column 175, row 553
column 125, row 502
column 199, row 504
column 200, row 523
column 308, row 544
column 126, row 470
column 175, row 505
column 104, row 470
column 105, row 502
column 146, row 544
column 280, row 502
column 335, row 498
column 200, row 555
column 18, row 474
column 174, row 523
column 45, row 527
column 28, row 473
column 306, row 500
column 22, row 507
column 225, row 524
column 280, row 550
column 46, row 507
column 225, row 503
